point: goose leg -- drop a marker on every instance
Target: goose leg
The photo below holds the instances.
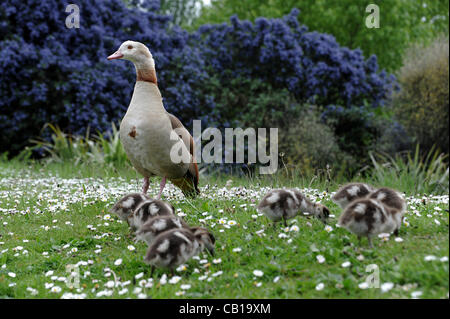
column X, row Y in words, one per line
column 152, row 270
column 161, row 187
column 146, row 185
column 370, row 241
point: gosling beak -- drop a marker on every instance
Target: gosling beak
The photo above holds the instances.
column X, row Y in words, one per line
column 115, row 55
column 211, row 251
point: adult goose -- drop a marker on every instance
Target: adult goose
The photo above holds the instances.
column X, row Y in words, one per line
column 155, row 141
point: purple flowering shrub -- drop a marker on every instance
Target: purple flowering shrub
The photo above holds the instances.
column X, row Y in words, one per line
column 265, row 74
column 225, row 75
column 312, row 66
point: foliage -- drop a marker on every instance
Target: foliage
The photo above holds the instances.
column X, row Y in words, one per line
column 422, row 105
column 284, row 66
column 183, row 12
column 401, row 21
column 307, row 143
column 422, row 174
column 82, row 150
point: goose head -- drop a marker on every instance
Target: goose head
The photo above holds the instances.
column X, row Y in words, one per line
column 135, row 52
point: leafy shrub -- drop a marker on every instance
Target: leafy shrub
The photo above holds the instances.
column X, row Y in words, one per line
column 309, row 144
column 402, row 22
column 422, row 105
column 422, row 173
column 250, row 102
column 66, row 148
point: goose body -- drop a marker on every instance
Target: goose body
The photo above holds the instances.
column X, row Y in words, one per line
column 155, row 141
column 390, row 198
column 394, row 201
column 148, row 143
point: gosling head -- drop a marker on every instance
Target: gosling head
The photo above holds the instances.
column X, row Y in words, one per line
column 205, row 238
column 321, row 212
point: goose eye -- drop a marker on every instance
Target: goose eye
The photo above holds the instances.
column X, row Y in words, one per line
column 130, row 47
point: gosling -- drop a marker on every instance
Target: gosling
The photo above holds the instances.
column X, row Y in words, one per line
column 369, row 217
column 284, row 204
column 393, row 200
column 176, row 246
column 157, row 225
column 349, row 192
column 127, row 204
column 147, row 210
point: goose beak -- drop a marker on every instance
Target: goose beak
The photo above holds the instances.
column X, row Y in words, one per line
column 115, row 55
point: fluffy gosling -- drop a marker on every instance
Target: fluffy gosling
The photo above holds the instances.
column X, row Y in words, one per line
column 369, row 217
column 394, row 200
column 157, row 225
column 176, row 246
column 284, row 204
column 349, row 192
column 127, row 204
column 147, row 210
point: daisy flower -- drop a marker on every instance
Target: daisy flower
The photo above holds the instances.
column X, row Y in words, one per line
column 320, row 259
column 258, row 273
column 320, row 286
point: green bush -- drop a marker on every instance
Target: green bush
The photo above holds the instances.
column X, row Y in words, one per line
column 423, row 101
column 80, row 150
column 309, row 144
column 309, row 136
column 422, row 174
column 251, row 103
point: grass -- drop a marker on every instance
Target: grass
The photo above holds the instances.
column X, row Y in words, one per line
column 56, row 215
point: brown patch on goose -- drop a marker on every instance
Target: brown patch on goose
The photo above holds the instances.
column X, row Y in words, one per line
column 146, row 75
column 133, row 132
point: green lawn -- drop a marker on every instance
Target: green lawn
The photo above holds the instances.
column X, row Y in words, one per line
column 51, row 218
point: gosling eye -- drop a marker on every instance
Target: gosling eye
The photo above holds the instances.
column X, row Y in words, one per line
column 130, row 47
